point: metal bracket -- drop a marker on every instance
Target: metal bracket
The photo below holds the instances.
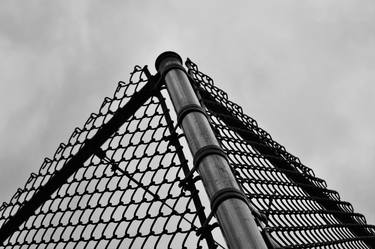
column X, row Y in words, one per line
column 188, row 109
column 219, row 197
column 199, row 155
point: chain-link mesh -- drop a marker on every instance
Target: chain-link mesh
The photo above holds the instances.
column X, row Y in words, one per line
column 126, row 195
column 132, row 191
column 301, row 212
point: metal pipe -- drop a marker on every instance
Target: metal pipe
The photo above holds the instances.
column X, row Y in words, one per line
column 175, row 142
column 233, row 214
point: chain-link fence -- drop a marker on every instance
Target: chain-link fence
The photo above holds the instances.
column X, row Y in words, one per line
column 298, row 210
column 127, row 194
column 120, row 181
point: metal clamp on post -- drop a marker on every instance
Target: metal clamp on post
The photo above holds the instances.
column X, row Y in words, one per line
column 188, row 109
column 199, row 155
column 184, row 184
column 208, row 150
column 185, row 111
column 218, row 198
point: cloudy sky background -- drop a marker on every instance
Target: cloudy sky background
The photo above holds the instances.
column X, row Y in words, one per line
column 303, row 69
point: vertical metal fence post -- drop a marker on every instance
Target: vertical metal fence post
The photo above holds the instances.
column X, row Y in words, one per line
column 232, row 211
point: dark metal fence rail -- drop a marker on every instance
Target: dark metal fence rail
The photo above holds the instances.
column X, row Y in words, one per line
column 301, row 212
column 125, row 195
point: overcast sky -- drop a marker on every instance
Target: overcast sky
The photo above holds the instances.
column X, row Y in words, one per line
column 303, row 69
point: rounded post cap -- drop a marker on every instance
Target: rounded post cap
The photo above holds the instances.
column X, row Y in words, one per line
column 165, row 55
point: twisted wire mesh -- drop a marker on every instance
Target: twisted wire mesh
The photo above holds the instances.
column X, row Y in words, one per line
column 125, row 196
column 301, row 211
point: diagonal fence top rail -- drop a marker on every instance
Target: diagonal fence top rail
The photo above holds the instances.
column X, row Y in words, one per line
column 144, row 172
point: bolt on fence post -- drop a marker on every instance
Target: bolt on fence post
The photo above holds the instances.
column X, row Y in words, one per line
column 233, row 213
